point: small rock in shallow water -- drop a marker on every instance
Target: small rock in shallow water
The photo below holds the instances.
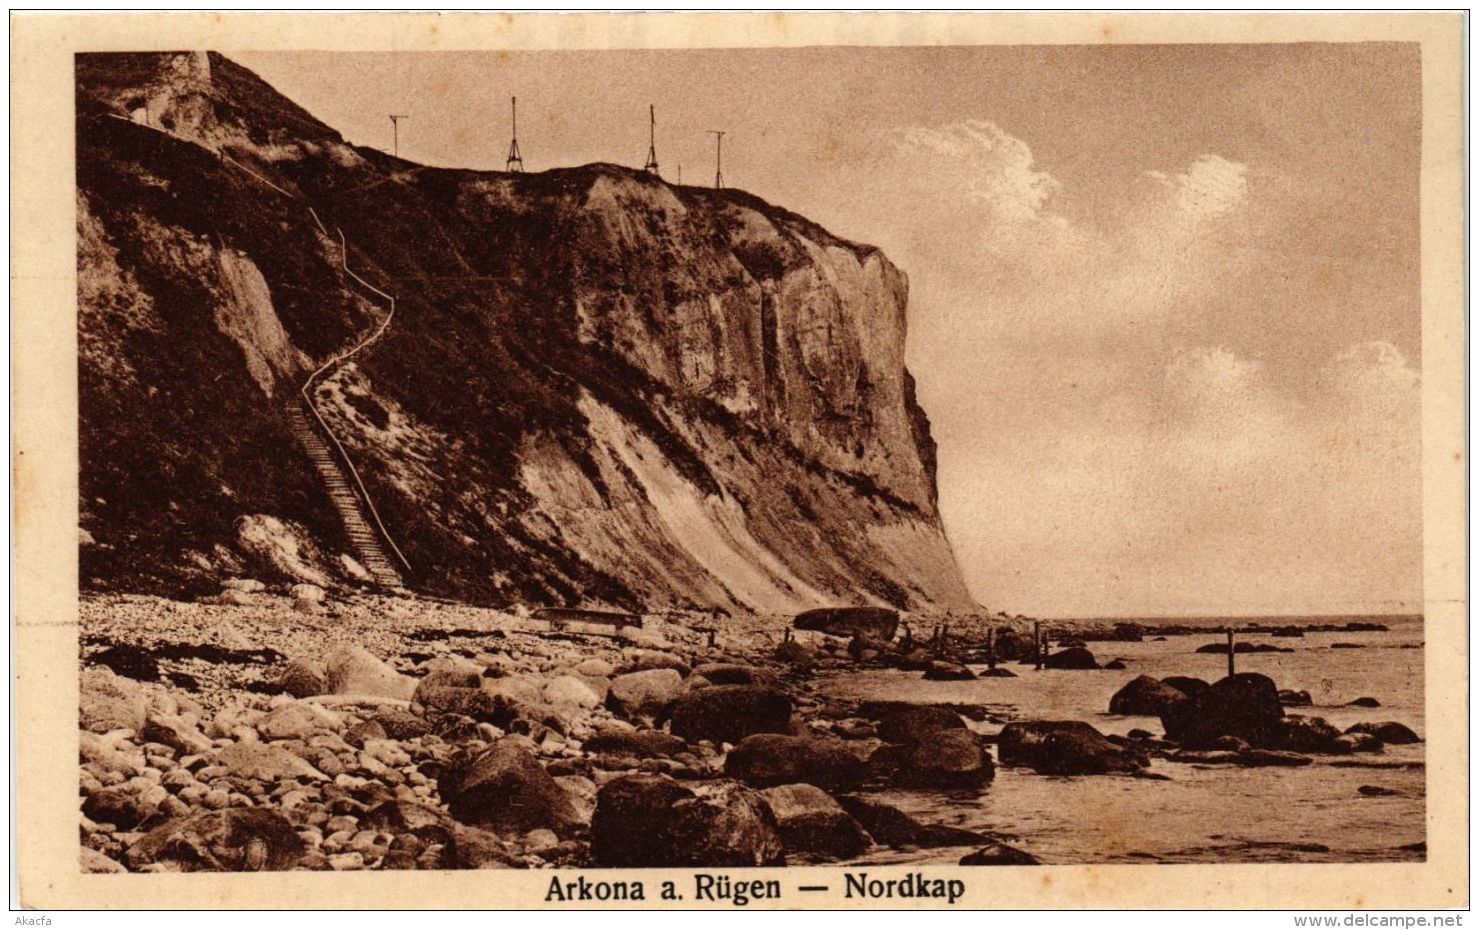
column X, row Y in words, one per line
column 999, row 854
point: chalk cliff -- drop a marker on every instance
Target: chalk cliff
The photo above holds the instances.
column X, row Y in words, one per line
column 597, row 387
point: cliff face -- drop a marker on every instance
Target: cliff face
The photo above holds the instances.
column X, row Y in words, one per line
column 597, row 387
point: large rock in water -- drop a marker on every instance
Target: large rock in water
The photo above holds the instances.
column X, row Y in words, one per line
column 652, row 821
column 1064, row 747
column 1389, row 732
column 1074, row 657
column 767, row 759
column 1306, row 734
column 1187, row 685
column 893, row 827
column 910, row 723
column 1244, row 705
column 948, row 759
column 356, row 670
column 811, row 821
column 1145, row 697
column 729, row 713
column 506, row 789
column 249, row 839
column 878, row 623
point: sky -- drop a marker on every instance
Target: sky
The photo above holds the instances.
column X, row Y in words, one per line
column 1164, row 311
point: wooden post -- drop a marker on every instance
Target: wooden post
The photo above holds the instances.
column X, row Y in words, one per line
column 1231, row 662
column 1037, row 643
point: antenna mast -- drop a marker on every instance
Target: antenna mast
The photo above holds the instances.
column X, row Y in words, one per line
column 718, row 156
column 651, row 166
column 515, row 160
column 395, row 129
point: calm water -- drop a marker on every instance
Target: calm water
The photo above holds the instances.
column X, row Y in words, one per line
column 1204, row 814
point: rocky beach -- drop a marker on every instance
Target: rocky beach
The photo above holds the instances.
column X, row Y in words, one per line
column 290, row 728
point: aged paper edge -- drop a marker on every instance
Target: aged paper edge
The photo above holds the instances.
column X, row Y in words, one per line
column 44, row 465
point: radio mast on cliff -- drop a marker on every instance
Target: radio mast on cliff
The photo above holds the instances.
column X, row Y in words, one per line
column 395, row 130
column 515, row 160
column 718, row 156
column 651, row 166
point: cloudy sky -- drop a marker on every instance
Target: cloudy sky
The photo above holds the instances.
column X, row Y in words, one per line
column 1164, row 299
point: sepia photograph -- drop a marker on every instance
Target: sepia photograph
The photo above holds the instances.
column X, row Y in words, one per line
column 889, row 460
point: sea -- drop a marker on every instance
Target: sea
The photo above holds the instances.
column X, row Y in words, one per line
column 1204, row 813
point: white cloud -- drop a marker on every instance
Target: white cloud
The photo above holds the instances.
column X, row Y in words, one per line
column 1211, row 187
column 993, row 168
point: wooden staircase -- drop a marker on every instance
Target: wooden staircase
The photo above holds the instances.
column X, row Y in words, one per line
column 362, row 534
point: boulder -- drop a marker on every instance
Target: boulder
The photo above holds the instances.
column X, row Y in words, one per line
column 641, row 660
column 652, row 821
column 878, row 623
column 355, row 670
column 1076, row 657
column 1245, row 705
column 243, row 839
column 595, row 668
column 1305, row 734
column 311, row 593
column 400, row 816
column 1347, row 743
column 475, row 703
column 910, row 723
column 123, row 807
column 296, row 721
column 244, row 585
column 1190, row 687
column 916, row 660
column 301, row 679
column 1364, row 702
column 1389, row 732
column 810, row 821
column 472, row 848
column 1011, row 645
column 177, row 733
column 1065, row 747
column 646, row 693
column 573, row 691
column 1113, row 665
column 505, row 789
column 110, row 702
column 1295, row 698
column 767, row 759
column 446, row 676
column 642, row 744
column 262, row 762
column 948, row 759
column 892, row 827
column 729, row 673
column 401, row 724
column 999, row 854
column 948, row 671
column 729, row 713
column 795, row 652
column 1145, row 697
